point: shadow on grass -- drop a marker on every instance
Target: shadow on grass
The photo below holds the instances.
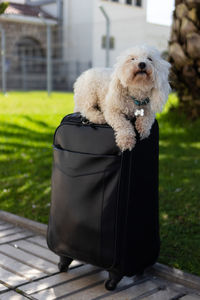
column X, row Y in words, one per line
column 25, row 169
column 38, row 122
column 179, row 174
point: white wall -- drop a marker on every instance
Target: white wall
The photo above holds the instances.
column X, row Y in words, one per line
column 51, row 9
column 128, row 26
column 77, row 34
column 126, row 22
column 157, row 36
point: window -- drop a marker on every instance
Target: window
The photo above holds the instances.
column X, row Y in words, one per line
column 138, row 3
column 30, row 54
column 112, row 42
column 134, row 2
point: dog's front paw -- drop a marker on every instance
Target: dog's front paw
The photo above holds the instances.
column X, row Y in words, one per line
column 144, row 134
column 142, row 128
column 101, row 120
column 97, row 118
column 125, row 141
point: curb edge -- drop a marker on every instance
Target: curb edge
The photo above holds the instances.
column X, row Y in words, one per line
column 24, row 222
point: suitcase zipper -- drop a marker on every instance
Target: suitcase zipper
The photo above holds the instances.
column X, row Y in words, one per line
column 85, row 123
column 72, row 122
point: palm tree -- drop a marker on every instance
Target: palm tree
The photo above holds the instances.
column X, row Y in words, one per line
column 184, row 55
column 3, row 7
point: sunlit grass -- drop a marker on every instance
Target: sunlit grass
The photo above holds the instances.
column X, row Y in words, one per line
column 27, row 124
column 179, row 189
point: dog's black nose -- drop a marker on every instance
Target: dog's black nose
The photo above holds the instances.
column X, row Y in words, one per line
column 142, row 65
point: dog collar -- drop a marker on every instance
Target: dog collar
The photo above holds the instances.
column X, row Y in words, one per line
column 139, row 103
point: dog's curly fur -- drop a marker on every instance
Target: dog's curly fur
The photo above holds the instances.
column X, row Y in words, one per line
column 105, row 95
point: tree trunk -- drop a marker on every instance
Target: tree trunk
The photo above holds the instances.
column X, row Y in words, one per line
column 3, row 7
column 184, row 55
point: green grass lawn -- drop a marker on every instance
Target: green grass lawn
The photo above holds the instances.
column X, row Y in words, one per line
column 27, row 124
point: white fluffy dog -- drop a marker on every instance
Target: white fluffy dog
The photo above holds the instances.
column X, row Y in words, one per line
column 136, row 87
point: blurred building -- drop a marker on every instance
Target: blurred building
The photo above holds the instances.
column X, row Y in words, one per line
column 26, row 44
column 129, row 27
column 78, row 37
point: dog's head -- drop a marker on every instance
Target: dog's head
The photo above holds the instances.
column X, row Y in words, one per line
column 142, row 68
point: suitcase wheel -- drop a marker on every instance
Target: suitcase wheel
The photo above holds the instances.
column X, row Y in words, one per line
column 139, row 275
column 64, row 263
column 112, row 281
column 110, row 284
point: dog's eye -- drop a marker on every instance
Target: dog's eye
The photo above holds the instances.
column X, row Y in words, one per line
column 132, row 58
column 149, row 58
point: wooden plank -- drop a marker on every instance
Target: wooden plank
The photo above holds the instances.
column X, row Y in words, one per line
column 11, row 278
column 164, row 294
column 38, row 240
column 15, row 237
column 21, row 268
column 10, row 231
column 23, row 222
column 57, row 279
column 41, row 241
column 191, row 297
column 3, row 288
column 28, row 259
column 11, row 295
column 174, row 275
column 39, row 251
column 125, row 290
column 6, row 226
column 71, row 287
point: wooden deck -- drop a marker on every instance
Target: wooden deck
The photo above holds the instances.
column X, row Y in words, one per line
column 28, row 270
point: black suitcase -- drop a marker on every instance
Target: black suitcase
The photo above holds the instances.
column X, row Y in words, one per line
column 104, row 203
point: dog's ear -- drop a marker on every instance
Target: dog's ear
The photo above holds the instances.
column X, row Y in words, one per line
column 162, row 88
column 115, row 90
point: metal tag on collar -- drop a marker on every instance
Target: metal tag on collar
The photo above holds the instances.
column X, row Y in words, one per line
column 139, row 112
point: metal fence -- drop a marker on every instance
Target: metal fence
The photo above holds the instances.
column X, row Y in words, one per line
column 30, row 73
column 35, row 61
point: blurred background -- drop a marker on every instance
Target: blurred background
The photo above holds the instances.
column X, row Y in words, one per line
column 56, row 40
